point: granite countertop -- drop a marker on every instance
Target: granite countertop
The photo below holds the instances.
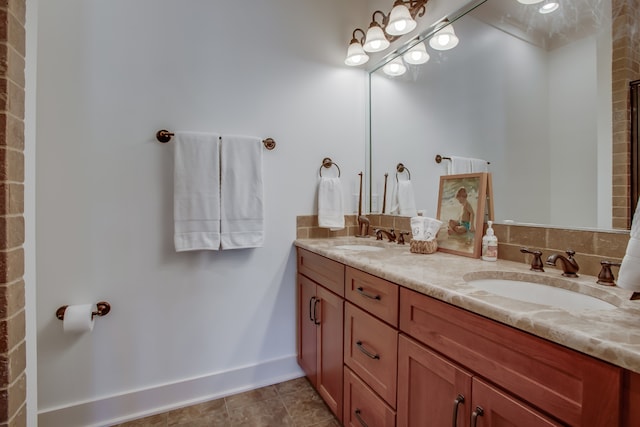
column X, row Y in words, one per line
column 610, row 335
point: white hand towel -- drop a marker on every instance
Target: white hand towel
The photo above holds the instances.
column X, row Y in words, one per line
column 241, row 192
column 196, row 192
column 403, row 200
column 330, row 204
column 629, row 275
column 459, row 165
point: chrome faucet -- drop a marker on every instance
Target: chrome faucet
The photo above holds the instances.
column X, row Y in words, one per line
column 569, row 265
column 391, row 235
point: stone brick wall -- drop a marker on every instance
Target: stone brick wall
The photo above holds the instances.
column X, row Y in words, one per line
column 12, row 302
column 590, row 246
column 625, row 69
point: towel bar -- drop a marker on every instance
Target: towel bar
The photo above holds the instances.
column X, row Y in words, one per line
column 164, row 136
column 327, row 163
column 440, row 158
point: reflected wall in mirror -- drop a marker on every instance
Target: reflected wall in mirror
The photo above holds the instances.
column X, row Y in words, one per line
column 530, row 93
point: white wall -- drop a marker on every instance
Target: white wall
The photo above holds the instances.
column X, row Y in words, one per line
column 183, row 326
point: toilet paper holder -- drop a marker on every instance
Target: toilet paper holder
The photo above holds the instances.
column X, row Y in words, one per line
column 102, row 308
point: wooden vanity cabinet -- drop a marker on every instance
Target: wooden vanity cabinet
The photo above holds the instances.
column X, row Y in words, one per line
column 529, row 380
column 321, row 325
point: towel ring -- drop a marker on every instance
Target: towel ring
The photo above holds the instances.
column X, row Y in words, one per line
column 400, row 168
column 327, row 163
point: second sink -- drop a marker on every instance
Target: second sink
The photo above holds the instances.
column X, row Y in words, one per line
column 541, row 294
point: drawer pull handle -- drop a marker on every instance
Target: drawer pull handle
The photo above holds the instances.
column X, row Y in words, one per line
column 365, row 351
column 357, row 412
column 459, row 399
column 474, row 416
column 311, row 300
column 315, row 311
column 365, row 294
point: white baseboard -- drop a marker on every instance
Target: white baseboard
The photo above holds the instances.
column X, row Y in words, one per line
column 141, row 403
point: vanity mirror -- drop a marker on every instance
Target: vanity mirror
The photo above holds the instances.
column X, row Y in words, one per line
column 528, row 92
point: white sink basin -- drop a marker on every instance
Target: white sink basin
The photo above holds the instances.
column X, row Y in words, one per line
column 541, row 294
column 359, row 248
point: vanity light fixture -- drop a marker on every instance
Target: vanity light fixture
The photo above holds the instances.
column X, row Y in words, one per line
column 395, row 68
column 549, row 6
column 445, row 38
column 355, row 53
column 400, row 21
column 530, row 1
column 376, row 40
column 416, row 55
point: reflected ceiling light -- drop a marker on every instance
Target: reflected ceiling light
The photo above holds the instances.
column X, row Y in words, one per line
column 395, row 68
column 549, row 6
column 416, row 55
column 530, row 1
column 355, row 53
column 376, row 40
column 445, row 38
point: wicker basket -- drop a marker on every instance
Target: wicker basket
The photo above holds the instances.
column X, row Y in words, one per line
column 423, row 246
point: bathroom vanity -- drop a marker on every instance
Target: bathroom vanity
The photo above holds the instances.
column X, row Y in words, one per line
column 391, row 338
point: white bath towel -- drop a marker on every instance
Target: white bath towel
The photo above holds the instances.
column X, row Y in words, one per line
column 241, row 192
column 196, row 192
column 330, row 204
column 459, row 165
column 403, row 200
column 629, row 275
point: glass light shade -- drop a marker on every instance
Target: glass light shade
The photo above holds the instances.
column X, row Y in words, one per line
column 375, row 40
column 395, row 68
column 444, row 39
column 549, row 6
column 530, row 1
column 416, row 55
column 400, row 21
column 356, row 55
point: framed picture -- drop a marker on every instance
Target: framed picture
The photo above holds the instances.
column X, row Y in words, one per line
column 462, row 201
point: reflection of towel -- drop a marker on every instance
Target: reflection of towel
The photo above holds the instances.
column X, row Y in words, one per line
column 196, row 194
column 466, row 165
column 403, row 201
column 629, row 275
column 241, row 192
column 330, row 210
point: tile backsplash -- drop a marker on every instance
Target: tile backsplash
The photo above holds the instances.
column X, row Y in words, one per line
column 591, row 246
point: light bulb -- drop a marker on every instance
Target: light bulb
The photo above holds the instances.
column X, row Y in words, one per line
column 548, row 7
column 395, row 68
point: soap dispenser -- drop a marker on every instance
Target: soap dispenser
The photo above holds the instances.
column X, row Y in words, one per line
column 489, row 244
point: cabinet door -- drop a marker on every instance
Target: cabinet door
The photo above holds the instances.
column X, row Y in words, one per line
column 431, row 390
column 329, row 317
column 493, row 408
column 307, row 335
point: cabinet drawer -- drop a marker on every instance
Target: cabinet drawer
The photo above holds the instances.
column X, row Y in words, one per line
column 362, row 406
column 573, row 387
column 375, row 295
column 371, row 351
column 321, row 270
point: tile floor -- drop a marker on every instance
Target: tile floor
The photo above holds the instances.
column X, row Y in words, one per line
column 293, row 403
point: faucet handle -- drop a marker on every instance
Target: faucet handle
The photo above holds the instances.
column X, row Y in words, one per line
column 401, row 237
column 536, row 262
column 570, row 253
column 605, row 277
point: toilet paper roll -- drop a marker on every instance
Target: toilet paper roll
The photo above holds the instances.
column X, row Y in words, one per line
column 78, row 318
